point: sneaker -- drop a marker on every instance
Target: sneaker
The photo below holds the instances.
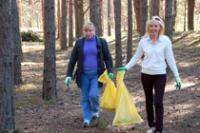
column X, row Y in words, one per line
column 85, row 124
column 151, row 130
column 94, row 121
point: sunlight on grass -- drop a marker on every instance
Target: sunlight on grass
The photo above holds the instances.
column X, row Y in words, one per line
column 27, row 87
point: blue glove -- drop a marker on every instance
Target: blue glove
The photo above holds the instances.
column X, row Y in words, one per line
column 111, row 75
column 122, row 69
column 178, row 83
column 68, row 81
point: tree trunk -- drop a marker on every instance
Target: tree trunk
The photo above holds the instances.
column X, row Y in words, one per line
column 49, row 74
column 94, row 15
column 185, row 15
column 154, row 8
column 191, row 4
column 63, row 25
column 109, row 18
column 70, row 23
column 130, row 31
column 31, row 15
column 137, row 13
column 174, row 12
column 17, row 45
column 100, row 17
column 144, row 14
column 79, row 17
column 118, row 47
column 58, row 19
column 168, row 18
column 7, row 110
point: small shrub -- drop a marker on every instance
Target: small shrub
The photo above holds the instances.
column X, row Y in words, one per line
column 30, row 37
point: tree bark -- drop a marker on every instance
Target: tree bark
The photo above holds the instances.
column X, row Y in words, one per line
column 101, row 18
column 137, row 13
column 168, row 18
column 130, row 31
column 109, row 18
column 143, row 16
column 17, row 45
column 49, row 73
column 191, row 4
column 7, row 110
column 118, row 47
column 154, row 8
column 174, row 12
column 70, row 23
column 63, row 25
column 79, row 17
column 94, row 15
column 58, row 19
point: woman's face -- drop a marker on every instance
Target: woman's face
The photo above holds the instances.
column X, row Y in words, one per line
column 88, row 33
column 154, row 29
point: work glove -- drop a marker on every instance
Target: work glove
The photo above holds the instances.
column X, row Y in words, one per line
column 178, row 83
column 122, row 69
column 111, row 75
column 68, row 81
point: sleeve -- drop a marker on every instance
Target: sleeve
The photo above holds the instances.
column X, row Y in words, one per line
column 170, row 59
column 107, row 56
column 138, row 54
column 73, row 59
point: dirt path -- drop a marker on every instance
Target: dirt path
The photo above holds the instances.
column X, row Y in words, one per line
column 182, row 108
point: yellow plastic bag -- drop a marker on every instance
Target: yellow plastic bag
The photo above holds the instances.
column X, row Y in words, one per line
column 108, row 97
column 125, row 112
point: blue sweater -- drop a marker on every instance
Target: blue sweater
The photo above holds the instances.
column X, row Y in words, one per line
column 90, row 55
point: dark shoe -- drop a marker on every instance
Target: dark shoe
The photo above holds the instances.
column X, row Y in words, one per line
column 94, row 122
column 85, row 125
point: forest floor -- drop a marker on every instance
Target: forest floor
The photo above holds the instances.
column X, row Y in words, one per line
column 182, row 108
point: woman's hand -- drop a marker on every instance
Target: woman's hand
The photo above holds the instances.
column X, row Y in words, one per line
column 68, row 81
column 111, row 75
column 178, row 83
column 122, row 69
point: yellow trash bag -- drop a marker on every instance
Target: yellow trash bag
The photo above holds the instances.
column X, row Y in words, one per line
column 108, row 97
column 125, row 112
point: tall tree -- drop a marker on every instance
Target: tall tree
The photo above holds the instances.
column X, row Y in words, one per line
column 130, row 31
column 137, row 13
column 191, row 4
column 63, row 25
column 174, row 12
column 70, row 23
column 168, row 18
column 100, row 17
column 144, row 14
column 118, row 47
column 49, row 73
column 31, row 10
column 7, row 115
column 109, row 18
column 79, row 17
column 58, row 19
column 94, row 15
column 17, row 44
column 154, row 8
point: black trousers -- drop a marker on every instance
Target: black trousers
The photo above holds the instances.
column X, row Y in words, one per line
column 156, row 82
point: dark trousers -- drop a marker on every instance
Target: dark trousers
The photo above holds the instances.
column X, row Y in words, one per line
column 158, row 83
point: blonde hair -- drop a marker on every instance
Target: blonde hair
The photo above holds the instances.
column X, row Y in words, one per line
column 89, row 25
column 156, row 19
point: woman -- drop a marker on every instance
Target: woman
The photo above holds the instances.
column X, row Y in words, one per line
column 156, row 49
column 90, row 53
